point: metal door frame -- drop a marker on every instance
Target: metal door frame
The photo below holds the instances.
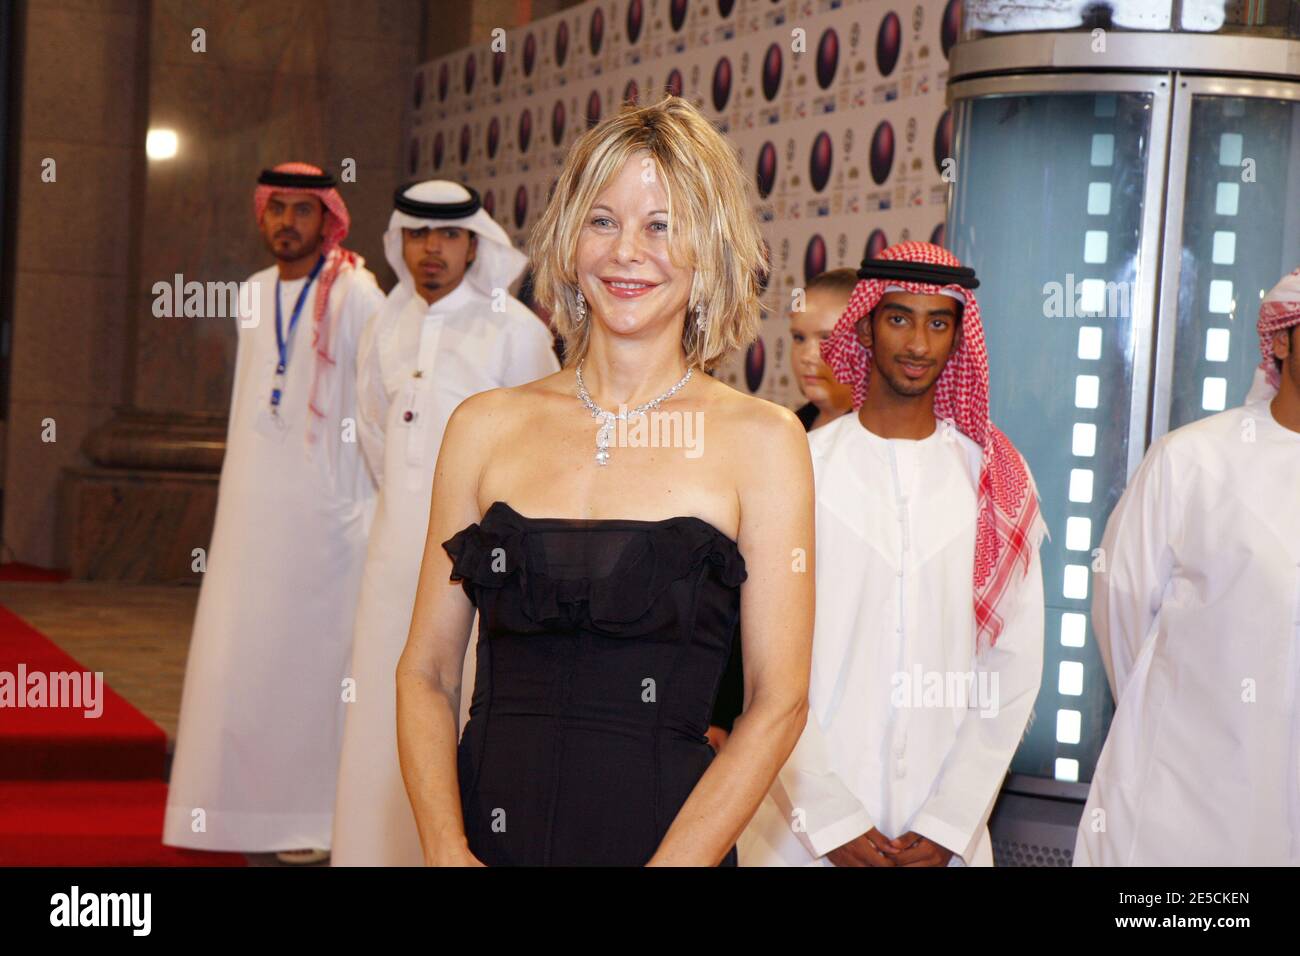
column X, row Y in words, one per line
column 1144, row 302
column 1188, row 87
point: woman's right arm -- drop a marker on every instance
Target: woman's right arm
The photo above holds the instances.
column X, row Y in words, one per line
column 429, row 671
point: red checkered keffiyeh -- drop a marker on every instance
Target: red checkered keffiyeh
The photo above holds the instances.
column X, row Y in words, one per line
column 1280, row 309
column 1008, row 506
column 338, row 259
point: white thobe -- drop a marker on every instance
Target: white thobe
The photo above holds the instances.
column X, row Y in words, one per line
column 1197, row 617
column 884, row 745
column 261, row 712
column 461, row 346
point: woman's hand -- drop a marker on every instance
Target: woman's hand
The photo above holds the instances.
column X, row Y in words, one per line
column 451, row 854
column 776, row 537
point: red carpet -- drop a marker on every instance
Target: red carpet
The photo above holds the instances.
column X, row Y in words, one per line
column 77, row 791
column 61, row 743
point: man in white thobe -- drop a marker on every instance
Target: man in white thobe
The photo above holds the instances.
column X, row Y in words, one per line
column 1197, row 617
column 262, row 710
column 448, row 330
column 928, row 643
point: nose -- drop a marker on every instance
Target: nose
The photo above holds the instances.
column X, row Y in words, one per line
column 918, row 343
column 627, row 247
column 807, row 353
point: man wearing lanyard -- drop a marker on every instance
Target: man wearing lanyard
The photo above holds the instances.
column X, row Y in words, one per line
column 263, row 704
column 448, row 330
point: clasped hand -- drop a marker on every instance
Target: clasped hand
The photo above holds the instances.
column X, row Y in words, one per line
column 873, row 848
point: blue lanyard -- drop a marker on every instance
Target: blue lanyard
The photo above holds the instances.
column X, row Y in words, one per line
column 280, row 339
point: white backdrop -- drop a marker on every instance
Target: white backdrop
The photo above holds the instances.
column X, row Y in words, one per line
column 845, row 141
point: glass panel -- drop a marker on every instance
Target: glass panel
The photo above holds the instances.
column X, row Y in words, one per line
column 1241, row 234
column 1047, row 208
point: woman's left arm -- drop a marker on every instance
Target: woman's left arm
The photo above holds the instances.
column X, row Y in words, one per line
column 768, row 455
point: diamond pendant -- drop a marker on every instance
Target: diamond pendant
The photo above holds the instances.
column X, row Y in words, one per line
column 607, row 418
column 602, row 439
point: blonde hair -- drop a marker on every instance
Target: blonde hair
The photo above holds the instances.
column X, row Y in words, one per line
column 711, row 225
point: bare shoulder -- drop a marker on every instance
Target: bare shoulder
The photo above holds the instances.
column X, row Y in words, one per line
column 494, row 419
column 765, row 458
column 755, row 427
column 489, row 407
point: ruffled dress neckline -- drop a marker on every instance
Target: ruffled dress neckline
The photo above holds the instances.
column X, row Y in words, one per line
column 494, row 555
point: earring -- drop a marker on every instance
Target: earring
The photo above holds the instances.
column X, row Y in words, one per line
column 700, row 323
column 582, row 308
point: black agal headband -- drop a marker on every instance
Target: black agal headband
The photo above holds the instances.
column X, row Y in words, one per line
column 903, row 271
column 270, row 177
column 436, row 210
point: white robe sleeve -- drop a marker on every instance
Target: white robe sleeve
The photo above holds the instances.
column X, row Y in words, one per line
column 958, row 808
column 373, row 400
column 245, row 317
column 820, row 809
column 363, row 300
column 1129, row 585
column 529, row 352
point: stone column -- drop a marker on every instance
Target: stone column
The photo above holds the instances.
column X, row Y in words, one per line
column 242, row 86
column 77, row 183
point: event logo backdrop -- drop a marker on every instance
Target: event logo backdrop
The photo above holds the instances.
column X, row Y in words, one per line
column 836, row 109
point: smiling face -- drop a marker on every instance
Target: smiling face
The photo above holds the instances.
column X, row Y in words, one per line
column 624, row 269
column 911, row 337
column 438, row 258
column 808, row 329
column 293, row 225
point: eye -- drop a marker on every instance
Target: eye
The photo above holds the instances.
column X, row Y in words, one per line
column 600, row 219
column 896, row 318
column 664, row 224
column 797, row 336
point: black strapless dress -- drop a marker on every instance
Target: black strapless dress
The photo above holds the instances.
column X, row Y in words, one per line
column 601, row 645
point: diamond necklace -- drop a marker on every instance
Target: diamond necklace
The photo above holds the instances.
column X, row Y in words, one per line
column 607, row 419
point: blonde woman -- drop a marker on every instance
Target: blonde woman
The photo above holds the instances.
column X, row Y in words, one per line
column 608, row 566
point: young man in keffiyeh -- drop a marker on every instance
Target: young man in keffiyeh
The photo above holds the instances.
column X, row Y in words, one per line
column 1197, row 617
column 928, row 648
column 262, row 709
column 449, row 329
